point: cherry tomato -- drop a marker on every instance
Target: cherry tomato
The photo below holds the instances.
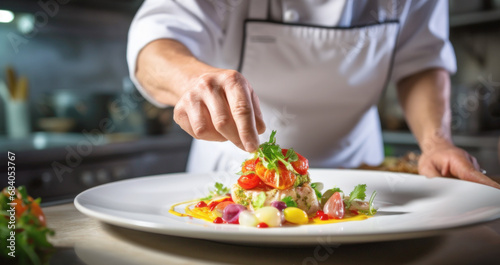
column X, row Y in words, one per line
column 334, row 207
column 249, row 165
column 32, row 208
column 36, row 210
column 249, row 181
column 212, row 205
column 282, row 180
column 301, row 165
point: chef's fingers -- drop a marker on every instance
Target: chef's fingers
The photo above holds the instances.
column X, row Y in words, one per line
column 221, row 116
column 240, row 103
column 467, row 168
column 259, row 120
column 474, row 162
column 182, row 119
column 192, row 115
column 429, row 170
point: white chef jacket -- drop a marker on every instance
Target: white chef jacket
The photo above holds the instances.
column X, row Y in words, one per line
column 213, row 29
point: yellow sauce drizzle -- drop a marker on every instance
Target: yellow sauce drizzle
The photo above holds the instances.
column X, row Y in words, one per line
column 358, row 217
column 204, row 213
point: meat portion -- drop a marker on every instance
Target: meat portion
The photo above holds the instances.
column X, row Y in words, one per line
column 304, row 195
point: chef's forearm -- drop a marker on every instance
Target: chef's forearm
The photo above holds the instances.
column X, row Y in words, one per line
column 165, row 67
column 425, row 100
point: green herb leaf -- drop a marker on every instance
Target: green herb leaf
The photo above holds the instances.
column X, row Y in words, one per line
column 337, row 189
column 291, row 155
column 359, row 193
column 272, row 137
column 290, row 202
column 317, row 186
column 24, row 194
column 219, row 191
column 258, row 202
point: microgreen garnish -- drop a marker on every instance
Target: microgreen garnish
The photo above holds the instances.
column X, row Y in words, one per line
column 270, row 153
column 219, row 191
column 372, row 209
column 359, row 193
column 246, row 173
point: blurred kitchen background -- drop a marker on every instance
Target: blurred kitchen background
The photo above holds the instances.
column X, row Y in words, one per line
column 64, row 61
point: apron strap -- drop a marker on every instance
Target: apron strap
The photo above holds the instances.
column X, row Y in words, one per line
column 258, row 9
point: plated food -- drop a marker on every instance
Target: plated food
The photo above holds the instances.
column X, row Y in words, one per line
column 407, row 164
column 24, row 226
column 275, row 189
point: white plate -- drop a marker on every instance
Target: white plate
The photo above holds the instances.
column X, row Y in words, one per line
column 409, row 206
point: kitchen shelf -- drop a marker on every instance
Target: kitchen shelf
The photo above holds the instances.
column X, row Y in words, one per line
column 465, row 19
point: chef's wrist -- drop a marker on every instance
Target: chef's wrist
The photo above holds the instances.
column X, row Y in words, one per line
column 434, row 140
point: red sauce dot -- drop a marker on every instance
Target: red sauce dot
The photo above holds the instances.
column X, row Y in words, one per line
column 323, row 217
column 218, row 220
column 262, row 225
column 201, row 204
column 320, row 213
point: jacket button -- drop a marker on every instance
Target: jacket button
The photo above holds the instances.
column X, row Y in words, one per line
column 291, row 15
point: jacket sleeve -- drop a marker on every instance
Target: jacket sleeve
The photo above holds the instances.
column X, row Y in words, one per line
column 194, row 23
column 423, row 40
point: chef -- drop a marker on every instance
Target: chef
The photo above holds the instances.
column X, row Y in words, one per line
column 313, row 70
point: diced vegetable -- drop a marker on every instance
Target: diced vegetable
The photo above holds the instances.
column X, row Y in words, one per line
column 232, row 212
column 219, row 209
column 269, row 215
column 247, row 218
column 280, row 205
column 295, row 215
column 334, row 207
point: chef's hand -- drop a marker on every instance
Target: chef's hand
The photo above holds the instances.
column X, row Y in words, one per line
column 446, row 160
column 221, row 105
column 210, row 103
